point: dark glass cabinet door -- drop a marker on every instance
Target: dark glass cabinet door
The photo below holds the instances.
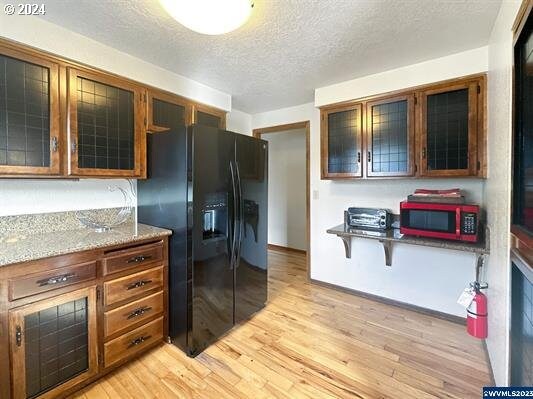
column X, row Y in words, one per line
column 390, row 137
column 29, row 114
column 251, row 267
column 341, row 143
column 206, row 116
column 213, row 234
column 165, row 112
column 106, row 134
column 53, row 343
column 449, row 131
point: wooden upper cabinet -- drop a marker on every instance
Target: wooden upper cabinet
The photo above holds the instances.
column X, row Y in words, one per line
column 436, row 130
column 390, row 136
column 29, row 114
column 341, row 142
column 107, row 125
column 208, row 116
column 451, row 129
column 166, row 111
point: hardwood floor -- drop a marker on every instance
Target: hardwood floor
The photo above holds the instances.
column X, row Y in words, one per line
column 313, row 342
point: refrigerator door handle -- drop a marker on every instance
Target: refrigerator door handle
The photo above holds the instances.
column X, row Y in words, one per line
column 242, row 226
column 233, row 220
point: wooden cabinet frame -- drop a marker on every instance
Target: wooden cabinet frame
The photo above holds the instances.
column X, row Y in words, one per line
column 208, row 110
column 472, row 87
column 139, row 125
column 410, row 98
column 169, row 98
column 324, row 142
column 16, row 318
column 417, row 104
column 54, row 114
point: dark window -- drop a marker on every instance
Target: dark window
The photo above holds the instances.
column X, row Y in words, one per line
column 389, row 137
column 523, row 151
column 429, row 220
column 343, row 130
column 447, row 130
column 167, row 114
column 56, row 345
column 24, row 113
column 203, row 118
column 106, row 127
column 521, row 329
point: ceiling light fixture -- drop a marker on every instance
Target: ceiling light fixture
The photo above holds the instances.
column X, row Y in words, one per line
column 210, row 17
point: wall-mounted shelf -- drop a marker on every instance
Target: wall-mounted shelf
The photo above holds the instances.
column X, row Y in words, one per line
column 388, row 237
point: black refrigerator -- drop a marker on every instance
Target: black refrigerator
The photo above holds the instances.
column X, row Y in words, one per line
column 210, row 187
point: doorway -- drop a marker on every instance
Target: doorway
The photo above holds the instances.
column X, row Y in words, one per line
column 288, row 191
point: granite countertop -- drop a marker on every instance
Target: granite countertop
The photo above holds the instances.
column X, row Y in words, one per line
column 394, row 235
column 27, row 247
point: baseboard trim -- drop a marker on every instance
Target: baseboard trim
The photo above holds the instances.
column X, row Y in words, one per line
column 286, row 249
column 388, row 301
column 487, row 356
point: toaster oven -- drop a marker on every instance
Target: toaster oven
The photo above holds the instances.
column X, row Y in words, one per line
column 367, row 218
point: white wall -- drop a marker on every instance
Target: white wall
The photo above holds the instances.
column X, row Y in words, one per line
column 426, row 277
column 286, row 188
column 18, row 197
column 239, row 122
column 498, row 187
column 449, row 67
column 32, row 196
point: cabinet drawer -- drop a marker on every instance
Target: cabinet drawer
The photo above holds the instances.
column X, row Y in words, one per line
column 122, row 260
column 51, row 280
column 133, row 342
column 132, row 286
column 122, row 318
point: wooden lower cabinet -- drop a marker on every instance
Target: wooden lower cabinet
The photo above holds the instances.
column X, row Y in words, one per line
column 53, row 344
column 78, row 328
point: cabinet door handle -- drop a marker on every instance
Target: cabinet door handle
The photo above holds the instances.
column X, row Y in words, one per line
column 73, row 147
column 138, row 341
column 56, row 280
column 424, row 153
column 369, row 156
column 138, row 284
column 359, row 157
column 138, row 259
column 54, row 144
column 18, row 336
column 139, row 312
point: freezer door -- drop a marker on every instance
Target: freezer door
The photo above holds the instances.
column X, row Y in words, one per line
column 213, row 222
column 251, row 265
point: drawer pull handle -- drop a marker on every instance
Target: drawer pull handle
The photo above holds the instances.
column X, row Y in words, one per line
column 138, row 284
column 139, row 312
column 138, row 341
column 139, row 259
column 56, row 280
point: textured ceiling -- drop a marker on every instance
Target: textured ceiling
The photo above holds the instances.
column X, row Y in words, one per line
column 288, row 47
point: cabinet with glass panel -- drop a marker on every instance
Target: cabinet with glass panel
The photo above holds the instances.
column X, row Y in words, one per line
column 436, row 130
column 29, row 114
column 107, row 131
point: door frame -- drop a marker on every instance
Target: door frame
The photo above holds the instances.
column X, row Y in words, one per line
column 284, row 128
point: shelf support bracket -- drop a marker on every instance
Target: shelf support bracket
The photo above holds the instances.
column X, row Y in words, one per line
column 387, row 247
column 347, row 241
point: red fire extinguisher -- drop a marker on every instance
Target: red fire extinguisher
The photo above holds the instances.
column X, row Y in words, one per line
column 476, row 319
